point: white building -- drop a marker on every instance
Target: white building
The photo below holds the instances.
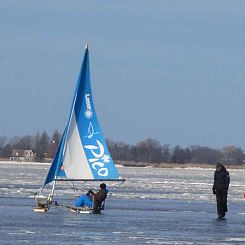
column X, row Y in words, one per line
column 22, row 155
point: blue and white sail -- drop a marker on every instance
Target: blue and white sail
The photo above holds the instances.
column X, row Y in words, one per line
column 82, row 153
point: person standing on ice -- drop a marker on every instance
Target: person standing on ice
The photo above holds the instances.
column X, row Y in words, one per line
column 220, row 188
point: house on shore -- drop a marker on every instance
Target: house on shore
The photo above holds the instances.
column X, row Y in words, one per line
column 22, row 155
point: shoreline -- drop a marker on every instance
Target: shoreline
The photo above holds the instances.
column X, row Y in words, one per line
column 122, row 164
column 177, row 165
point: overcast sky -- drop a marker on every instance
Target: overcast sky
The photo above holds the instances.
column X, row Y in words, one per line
column 168, row 70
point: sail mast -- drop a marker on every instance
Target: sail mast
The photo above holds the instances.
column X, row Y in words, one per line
column 59, row 155
column 65, row 134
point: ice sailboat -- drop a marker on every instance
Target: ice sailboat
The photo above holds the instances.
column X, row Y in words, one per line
column 82, row 154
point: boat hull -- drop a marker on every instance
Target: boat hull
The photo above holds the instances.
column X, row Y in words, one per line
column 40, row 210
column 85, row 211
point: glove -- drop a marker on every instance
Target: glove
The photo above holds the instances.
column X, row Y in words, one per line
column 90, row 192
column 214, row 191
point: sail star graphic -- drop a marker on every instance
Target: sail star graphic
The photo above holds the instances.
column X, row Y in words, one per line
column 106, row 158
column 88, row 114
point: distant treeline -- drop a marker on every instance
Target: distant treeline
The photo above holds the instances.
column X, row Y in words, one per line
column 43, row 145
column 147, row 151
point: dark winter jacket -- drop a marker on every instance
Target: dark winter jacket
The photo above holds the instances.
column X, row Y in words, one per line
column 221, row 179
column 99, row 197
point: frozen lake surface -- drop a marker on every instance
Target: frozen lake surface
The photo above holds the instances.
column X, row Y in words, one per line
column 154, row 206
